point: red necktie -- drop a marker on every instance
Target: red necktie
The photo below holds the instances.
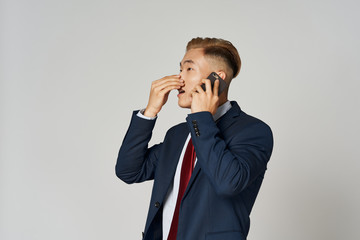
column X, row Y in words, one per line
column 186, row 170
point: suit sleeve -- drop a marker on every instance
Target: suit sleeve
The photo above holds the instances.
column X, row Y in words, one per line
column 136, row 162
column 233, row 166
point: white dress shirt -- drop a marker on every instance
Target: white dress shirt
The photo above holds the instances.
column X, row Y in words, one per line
column 171, row 197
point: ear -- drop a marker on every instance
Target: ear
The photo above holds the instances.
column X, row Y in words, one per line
column 222, row 74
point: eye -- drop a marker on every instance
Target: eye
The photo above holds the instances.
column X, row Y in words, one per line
column 189, row 69
column 180, row 70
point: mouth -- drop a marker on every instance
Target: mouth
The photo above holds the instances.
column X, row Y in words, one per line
column 181, row 91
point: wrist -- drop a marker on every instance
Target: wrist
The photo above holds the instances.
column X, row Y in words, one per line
column 149, row 112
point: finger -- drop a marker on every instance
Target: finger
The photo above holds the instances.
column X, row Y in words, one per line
column 166, row 84
column 216, row 87
column 171, row 82
column 173, row 78
column 168, row 89
column 207, row 85
column 194, row 91
column 159, row 87
column 198, row 89
column 166, row 81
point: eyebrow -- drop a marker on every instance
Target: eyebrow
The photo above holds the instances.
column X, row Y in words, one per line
column 187, row 61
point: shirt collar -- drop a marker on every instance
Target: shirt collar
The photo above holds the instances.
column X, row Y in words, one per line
column 222, row 110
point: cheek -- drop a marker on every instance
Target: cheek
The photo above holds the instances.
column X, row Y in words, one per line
column 192, row 81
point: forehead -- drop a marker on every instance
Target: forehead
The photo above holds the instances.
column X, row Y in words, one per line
column 195, row 55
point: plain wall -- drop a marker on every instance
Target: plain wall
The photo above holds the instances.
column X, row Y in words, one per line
column 73, row 71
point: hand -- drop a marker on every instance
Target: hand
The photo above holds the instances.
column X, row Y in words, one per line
column 205, row 100
column 159, row 93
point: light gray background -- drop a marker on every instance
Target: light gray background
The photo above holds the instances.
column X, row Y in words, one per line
column 72, row 71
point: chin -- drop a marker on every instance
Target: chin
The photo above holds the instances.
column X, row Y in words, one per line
column 183, row 104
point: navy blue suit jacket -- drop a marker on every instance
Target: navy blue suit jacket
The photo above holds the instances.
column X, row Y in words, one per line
column 232, row 157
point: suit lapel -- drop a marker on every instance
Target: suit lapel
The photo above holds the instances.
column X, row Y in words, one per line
column 169, row 164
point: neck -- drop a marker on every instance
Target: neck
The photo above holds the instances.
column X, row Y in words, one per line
column 223, row 99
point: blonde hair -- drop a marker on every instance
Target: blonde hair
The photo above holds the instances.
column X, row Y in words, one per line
column 218, row 49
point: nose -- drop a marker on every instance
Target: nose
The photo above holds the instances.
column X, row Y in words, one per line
column 181, row 77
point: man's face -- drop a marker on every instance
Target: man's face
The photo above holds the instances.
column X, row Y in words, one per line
column 193, row 68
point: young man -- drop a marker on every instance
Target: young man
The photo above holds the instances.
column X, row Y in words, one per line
column 208, row 170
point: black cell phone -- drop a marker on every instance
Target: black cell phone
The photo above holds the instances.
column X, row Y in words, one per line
column 214, row 76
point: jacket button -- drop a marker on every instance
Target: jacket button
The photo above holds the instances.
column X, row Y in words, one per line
column 157, row 204
column 194, row 121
